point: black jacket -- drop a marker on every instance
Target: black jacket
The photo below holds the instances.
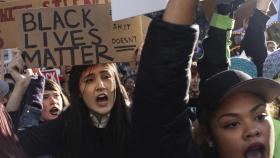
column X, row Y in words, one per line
column 254, row 42
column 159, row 116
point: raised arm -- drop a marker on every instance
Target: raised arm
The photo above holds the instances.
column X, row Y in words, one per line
column 216, row 52
column 16, row 68
column 159, row 116
column 254, row 42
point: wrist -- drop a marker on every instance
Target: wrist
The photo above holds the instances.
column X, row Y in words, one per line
column 263, row 6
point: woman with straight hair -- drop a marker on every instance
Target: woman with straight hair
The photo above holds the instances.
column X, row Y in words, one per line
column 96, row 124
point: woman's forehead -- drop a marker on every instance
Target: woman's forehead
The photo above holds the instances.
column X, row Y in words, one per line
column 98, row 68
column 51, row 92
column 240, row 102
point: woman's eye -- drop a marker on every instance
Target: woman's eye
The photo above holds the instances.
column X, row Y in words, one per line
column 45, row 97
column 106, row 76
column 261, row 117
column 231, row 125
column 88, row 79
column 56, row 95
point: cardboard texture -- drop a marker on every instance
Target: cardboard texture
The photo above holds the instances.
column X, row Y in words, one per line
column 8, row 8
column 49, row 38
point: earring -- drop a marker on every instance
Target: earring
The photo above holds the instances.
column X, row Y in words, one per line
column 211, row 144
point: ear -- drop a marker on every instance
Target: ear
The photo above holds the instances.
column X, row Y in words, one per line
column 209, row 138
column 201, row 135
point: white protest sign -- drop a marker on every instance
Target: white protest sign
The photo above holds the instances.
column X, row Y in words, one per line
column 122, row 9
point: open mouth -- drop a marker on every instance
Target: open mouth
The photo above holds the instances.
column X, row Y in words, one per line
column 255, row 151
column 102, row 99
column 54, row 111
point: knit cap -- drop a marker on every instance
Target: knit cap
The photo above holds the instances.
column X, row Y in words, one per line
column 243, row 64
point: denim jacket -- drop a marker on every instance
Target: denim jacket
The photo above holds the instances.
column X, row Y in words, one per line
column 31, row 106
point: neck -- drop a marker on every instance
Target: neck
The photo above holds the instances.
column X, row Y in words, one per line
column 99, row 121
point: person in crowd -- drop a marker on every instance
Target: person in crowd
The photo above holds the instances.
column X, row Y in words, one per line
column 129, row 85
column 271, row 46
column 97, row 124
column 194, row 87
column 233, row 110
column 37, row 100
column 10, row 147
column 54, row 101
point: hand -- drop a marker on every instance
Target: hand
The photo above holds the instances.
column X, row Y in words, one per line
column 18, row 70
column 263, row 5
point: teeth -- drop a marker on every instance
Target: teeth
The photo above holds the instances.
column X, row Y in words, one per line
column 254, row 154
column 102, row 95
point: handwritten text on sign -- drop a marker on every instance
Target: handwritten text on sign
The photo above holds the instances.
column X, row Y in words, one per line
column 76, row 35
column 8, row 9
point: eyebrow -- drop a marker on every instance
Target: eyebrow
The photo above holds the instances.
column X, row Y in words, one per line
column 104, row 71
column 255, row 108
column 90, row 74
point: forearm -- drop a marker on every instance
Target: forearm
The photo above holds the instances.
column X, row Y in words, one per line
column 216, row 51
column 16, row 96
column 183, row 14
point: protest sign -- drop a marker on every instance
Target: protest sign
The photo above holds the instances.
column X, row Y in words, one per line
column 76, row 35
column 122, row 9
column 7, row 15
column 6, row 58
column 51, row 74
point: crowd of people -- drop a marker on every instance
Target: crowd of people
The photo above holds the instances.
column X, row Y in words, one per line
column 183, row 99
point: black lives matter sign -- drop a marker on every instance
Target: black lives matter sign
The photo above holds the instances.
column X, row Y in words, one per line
column 76, row 35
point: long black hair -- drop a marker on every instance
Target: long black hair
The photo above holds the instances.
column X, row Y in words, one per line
column 79, row 127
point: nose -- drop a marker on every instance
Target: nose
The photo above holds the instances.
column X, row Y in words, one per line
column 252, row 132
column 100, row 85
column 53, row 99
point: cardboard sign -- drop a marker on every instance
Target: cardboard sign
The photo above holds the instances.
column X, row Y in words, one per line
column 76, row 35
column 122, row 9
column 51, row 74
column 7, row 15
